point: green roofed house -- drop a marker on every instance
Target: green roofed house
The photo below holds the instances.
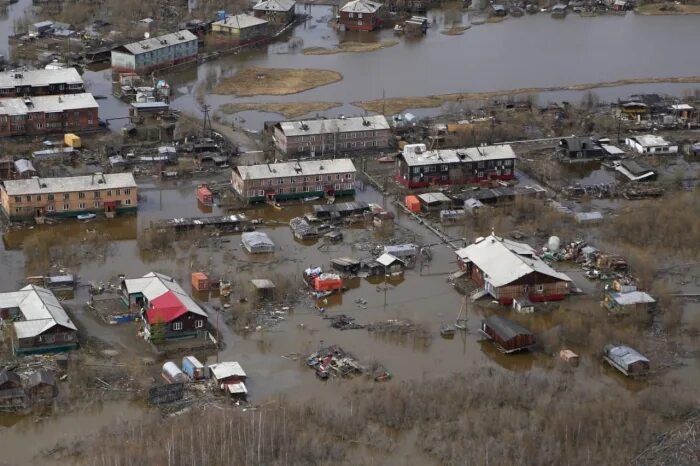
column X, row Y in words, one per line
column 294, row 180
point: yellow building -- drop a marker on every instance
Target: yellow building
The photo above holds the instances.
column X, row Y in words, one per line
column 68, row 196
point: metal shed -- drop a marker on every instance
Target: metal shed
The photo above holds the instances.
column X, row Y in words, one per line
column 508, row 336
column 627, row 360
column 256, row 242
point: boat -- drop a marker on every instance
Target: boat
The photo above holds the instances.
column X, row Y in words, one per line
column 386, row 159
column 461, row 322
column 86, row 216
column 311, row 199
column 398, row 29
column 447, row 331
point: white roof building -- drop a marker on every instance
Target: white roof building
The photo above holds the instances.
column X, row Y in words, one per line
column 651, row 144
column 453, row 156
column 14, row 106
column 224, row 370
column 299, row 168
column 241, row 21
column 153, row 44
column 504, row 261
column 39, row 308
column 69, row 184
column 41, row 78
column 333, row 125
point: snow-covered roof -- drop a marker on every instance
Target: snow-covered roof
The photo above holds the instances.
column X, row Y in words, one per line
column 156, row 43
column 40, row 78
column 387, row 259
column 504, row 261
column 624, row 355
column 47, row 104
column 256, row 238
column 39, row 308
column 241, row 21
column 650, row 140
column 630, row 298
column 275, row 5
column 68, row 184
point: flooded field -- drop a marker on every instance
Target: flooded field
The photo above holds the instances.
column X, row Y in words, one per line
column 273, row 357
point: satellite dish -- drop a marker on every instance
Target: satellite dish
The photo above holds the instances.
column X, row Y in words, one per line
column 146, row 35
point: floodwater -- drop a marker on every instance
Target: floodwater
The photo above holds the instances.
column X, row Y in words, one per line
column 531, row 51
column 8, row 15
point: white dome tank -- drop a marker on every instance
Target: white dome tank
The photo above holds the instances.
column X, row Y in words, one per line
column 554, row 243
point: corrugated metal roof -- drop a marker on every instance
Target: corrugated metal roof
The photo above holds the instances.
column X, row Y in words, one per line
column 40, row 310
column 301, row 168
column 262, row 283
column 506, row 328
column 632, row 297
column 24, row 165
column 224, row 370
column 40, row 78
column 69, row 184
column 160, row 42
column 624, row 355
column 469, row 154
column 430, row 198
column 387, row 259
column 240, row 21
column 504, row 261
column 333, row 125
column 256, row 238
column 153, row 284
column 401, row 250
column 361, row 6
column 47, row 103
column 275, row 5
column 650, row 140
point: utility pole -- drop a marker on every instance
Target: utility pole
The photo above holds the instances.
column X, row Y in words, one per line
column 383, row 101
column 207, row 122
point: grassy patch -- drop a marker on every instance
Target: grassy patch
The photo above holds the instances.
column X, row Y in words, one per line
column 275, row 81
column 351, row 47
column 286, row 109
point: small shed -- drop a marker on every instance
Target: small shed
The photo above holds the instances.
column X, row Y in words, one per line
column 626, row 359
column 346, row 265
column 200, row 281
column 434, row 201
column 193, row 368
column 402, row 251
column 508, row 336
column 24, row 168
column 472, row 205
column 523, row 305
column 226, row 373
column 264, row 287
column 72, row 140
column 412, row 204
column 204, row 195
column 625, row 302
column 9, row 380
column 12, row 396
column 41, row 387
column 237, row 390
column 451, row 216
column 328, row 282
column 256, row 242
column 172, row 374
column 569, row 357
column 62, row 282
column 392, row 264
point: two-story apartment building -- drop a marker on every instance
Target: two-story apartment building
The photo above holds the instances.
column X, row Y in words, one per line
column 276, row 12
column 332, row 136
column 68, row 196
column 155, row 53
column 48, row 114
column 417, row 167
column 239, row 28
column 40, row 82
column 294, row 180
column 360, row 15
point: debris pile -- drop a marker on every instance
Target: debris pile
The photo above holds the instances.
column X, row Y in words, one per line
column 333, row 361
column 344, row 322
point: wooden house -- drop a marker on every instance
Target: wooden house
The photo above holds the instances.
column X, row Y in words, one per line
column 508, row 336
column 578, row 147
column 169, row 313
column 12, row 396
column 276, row 12
column 361, row 15
column 507, row 270
column 42, row 388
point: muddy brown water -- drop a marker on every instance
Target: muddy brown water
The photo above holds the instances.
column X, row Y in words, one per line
column 423, row 295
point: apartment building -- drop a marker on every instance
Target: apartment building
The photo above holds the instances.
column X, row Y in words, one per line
column 332, row 136
column 68, row 196
column 155, row 53
column 48, row 114
column 294, row 180
column 417, row 167
column 40, row 82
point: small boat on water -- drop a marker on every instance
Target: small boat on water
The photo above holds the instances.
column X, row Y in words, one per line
column 311, row 199
column 386, row 159
column 86, row 216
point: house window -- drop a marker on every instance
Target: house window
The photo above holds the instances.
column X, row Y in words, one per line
column 49, row 197
column 127, row 201
column 18, row 199
column 29, row 198
column 109, row 193
column 127, row 191
column 97, row 204
column 81, row 195
column 18, row 210
column 81, row 205
column 177, row 325
column 50, row 207
column 66, row 207
column 118, row 192
column 38, row 197
column 66, row 196
column 540, row 288
column 198, row 323
column 97, row 194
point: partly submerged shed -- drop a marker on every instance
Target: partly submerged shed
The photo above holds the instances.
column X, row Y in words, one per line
column 626, row 359
column 508, row 336
column 256, row 242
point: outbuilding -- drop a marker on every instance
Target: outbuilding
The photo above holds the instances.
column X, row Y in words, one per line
column 626, row 359
column 506, row 335
column 256, row 242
